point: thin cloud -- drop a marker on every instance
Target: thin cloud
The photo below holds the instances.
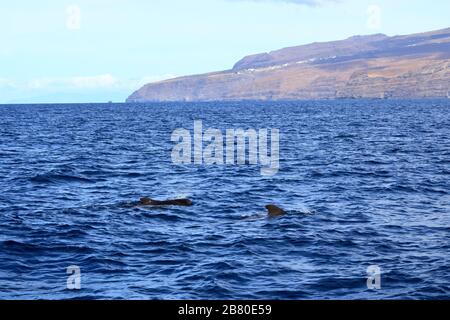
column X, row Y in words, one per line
column 300, row 2
column 89, row 82
column 6, row 83
column 93, row 88
column 103, row 81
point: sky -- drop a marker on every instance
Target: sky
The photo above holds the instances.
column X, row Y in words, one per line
column 55, row 51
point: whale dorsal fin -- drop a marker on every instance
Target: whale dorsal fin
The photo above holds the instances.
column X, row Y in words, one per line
column 275, row 211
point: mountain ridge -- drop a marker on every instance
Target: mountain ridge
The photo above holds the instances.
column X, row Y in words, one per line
column 372, row 66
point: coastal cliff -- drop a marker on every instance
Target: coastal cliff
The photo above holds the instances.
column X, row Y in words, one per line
column 375, row 66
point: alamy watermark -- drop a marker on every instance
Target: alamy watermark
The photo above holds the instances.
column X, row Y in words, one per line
column 229, row 148
column 73, row 21
column 74, row 278
column 374, row 277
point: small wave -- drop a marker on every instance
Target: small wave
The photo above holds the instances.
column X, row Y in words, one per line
column 74, row 233
column 58, row 178
column 163, row 216
column 18, row 246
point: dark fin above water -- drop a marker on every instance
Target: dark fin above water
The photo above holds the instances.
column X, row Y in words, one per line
column 275, row 211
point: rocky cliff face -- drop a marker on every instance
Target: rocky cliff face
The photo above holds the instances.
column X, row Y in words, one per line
column 377, row 66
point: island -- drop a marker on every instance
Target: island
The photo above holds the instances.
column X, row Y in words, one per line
column 372, row 67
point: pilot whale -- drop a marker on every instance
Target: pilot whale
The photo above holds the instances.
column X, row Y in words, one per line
column 176, row 202
column 275, row 211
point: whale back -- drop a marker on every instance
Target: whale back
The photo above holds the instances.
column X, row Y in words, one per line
column 177, row 202
column 145, row 201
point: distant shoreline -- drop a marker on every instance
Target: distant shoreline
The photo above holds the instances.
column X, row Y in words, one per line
column 225, row 101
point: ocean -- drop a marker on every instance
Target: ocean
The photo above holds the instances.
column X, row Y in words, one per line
column 365, row 184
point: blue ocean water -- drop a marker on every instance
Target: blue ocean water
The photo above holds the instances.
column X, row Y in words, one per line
column 366, row 183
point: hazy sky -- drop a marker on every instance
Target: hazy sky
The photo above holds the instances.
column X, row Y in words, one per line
column 101, row 50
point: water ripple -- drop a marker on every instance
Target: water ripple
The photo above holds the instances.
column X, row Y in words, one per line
column 365, row 182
